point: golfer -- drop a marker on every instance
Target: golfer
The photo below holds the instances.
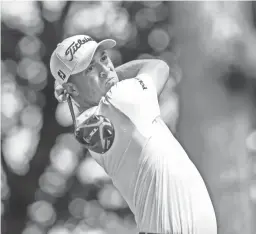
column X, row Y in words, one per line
column 121, row 125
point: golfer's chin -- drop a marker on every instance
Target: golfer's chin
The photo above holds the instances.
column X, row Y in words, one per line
column 111, row 83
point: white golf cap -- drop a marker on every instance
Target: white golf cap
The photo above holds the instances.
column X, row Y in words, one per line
column 74, row 54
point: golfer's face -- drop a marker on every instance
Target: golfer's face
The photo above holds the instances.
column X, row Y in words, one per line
column 97, row 79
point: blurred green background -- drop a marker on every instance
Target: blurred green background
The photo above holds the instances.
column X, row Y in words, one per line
column 49, row 183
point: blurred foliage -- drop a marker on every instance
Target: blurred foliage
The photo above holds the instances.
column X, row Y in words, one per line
column 217, row 103
column 49, row 183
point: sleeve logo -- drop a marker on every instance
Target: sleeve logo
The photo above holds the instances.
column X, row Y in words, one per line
column 141, row 83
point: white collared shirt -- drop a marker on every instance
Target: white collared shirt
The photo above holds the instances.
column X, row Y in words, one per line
column 149, row 167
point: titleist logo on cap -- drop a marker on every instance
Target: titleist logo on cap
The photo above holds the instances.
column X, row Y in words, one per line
column 74, row 47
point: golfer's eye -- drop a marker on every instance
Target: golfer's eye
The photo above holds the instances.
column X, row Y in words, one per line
column 90, row 68
column 104, row 58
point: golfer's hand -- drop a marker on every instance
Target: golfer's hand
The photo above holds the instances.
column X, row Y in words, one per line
column 61, row 92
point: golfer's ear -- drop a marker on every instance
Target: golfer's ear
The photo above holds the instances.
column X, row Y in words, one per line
column 71, row 89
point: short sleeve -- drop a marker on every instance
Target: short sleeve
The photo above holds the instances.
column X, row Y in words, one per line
column 148, row 82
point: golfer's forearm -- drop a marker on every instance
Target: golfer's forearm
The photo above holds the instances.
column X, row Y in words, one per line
column 132, row 68
column 157, row 69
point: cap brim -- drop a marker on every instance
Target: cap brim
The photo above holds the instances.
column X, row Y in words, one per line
column 105, row 44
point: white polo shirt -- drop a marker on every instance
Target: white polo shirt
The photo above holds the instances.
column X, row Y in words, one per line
column 149, row 167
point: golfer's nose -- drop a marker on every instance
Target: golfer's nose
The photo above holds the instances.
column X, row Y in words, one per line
column 104, row 71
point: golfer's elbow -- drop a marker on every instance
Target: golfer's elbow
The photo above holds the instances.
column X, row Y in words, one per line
column 163, row 69
column 160, row 74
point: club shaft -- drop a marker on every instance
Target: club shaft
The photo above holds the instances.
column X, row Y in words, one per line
column 71, row 110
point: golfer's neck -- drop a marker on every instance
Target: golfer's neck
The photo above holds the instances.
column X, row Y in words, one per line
column 83, row 108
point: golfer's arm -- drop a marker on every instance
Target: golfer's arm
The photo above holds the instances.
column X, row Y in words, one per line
column 157, row 69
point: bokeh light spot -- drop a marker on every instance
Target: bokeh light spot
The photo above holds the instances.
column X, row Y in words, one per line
column 251, row 141
column 32, row 117
column 42, row 212
column 90, row 172
column 110, row 198
column 19, row 147
column 32, row 229
column 52, row 183
column 63, row 159
column 10, row 103
column 252, row 193
column 158, row 39
column 76, row 207
column 58, row 230
column 63, row 115
column 29, row 45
